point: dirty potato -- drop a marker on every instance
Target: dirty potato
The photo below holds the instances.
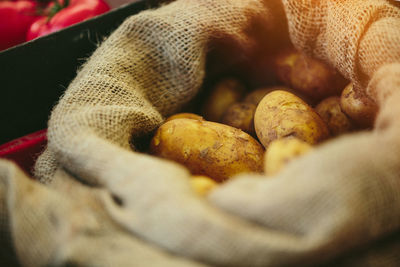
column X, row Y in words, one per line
column 241, row 116
column 281, row 151
column 224, row 94
column 312, row 77
column 282, row 114
column 331, row 113
column 202, row 185
column 257, row 95
column 358, row 106
column 208, row 148
column 254, row 97
column 185, row 115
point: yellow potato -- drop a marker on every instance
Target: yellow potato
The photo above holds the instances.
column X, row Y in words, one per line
column 312, row 77
column 202, row 185
column 331, row 113
column 208, row 148
column 281, row 151
column 224, row 94
column 282, row 114
column 255, row 96
column 185, row 115
column 241, row 116
column 358, row 106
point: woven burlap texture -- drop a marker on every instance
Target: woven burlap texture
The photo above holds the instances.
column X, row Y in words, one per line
column 339, row 204
column 66, row 224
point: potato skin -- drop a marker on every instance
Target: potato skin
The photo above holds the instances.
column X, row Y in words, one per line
column 224, row 94
column 208, row 148
column 254, row 97
column 281, row 151
column 186, row 115
column 282, row 114
column 309, row 76
column 331, row 113
column 202, row 185
column 241, row 116
column 359, row 107
column 257, row 95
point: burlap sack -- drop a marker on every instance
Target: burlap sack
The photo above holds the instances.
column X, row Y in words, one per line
column 67, row 224
column 339, row 205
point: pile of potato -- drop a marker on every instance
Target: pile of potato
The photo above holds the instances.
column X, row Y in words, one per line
column 261, row 130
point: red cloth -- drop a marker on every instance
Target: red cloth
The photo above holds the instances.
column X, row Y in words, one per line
column 25, row 150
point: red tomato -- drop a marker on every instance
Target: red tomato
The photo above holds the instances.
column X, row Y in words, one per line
column 70, row 12
column 15, row 19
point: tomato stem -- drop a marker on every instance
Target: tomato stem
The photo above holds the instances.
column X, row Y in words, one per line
column 56, row 8
column 53, row 10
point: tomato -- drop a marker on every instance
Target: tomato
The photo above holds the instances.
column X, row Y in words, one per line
column 15, row 20
column 24, row 20
column 65, row 13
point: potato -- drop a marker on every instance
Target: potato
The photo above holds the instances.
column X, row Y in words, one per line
column 257, row 95
column 208, row 148
column 202, row 185
column 185, row 115
column 358, row 106
column 281, row 151
column 331, row 113
column 282, row 114
column 241, row 116
column 312, row 77
column 224, row 94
